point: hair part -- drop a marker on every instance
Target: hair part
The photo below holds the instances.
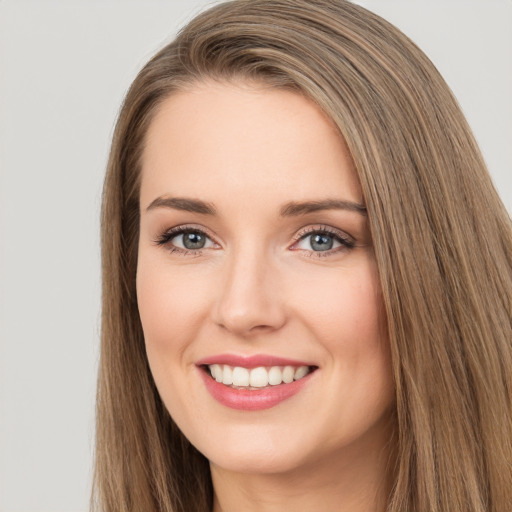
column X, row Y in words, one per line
column 442, row 241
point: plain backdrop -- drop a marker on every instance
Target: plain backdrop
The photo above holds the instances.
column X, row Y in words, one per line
column 64, row 68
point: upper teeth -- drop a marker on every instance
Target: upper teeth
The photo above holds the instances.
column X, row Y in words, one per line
column 256, row 377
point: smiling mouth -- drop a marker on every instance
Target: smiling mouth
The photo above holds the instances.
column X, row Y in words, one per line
column 238, row 377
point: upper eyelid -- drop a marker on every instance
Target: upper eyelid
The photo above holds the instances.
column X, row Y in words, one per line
column 164, row 237
column 322, row 229
column 313, row 228
column 303, row 232
column 191, row 227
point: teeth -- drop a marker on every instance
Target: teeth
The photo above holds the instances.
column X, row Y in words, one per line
column 300, row 372
column 216, row 370
column 240, row 376
column 227, row 375
column 275, row 376
column 288, row 374
column 260, row 377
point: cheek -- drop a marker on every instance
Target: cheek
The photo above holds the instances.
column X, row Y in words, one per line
column 169, row 307
column 170, row 317
column 173, row 304
column 346, row 315
column 345, row 309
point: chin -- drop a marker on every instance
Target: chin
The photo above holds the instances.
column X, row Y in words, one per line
column 253, row 452
column 255, row 462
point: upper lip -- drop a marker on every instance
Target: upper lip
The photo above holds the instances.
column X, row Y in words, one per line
column 253, row 361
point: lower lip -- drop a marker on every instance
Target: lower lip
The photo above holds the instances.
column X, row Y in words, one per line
column 252, row 400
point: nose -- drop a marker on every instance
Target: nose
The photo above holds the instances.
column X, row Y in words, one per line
column 249, row 302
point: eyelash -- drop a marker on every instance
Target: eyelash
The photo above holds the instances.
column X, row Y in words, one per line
column 346, row 242
column 165, row 238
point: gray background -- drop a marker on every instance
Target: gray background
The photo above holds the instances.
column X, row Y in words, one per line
column 64, row 68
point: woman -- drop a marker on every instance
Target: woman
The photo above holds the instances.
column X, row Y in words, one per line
column 307, row 277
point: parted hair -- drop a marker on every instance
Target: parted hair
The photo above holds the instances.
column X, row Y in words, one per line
column 442, row 241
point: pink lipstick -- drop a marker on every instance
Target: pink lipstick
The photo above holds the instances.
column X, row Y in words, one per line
column 250, row 361
column 255, row 382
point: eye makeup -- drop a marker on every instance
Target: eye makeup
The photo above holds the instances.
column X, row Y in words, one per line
column 186, row 240
column 312, row 241
column 323, row 241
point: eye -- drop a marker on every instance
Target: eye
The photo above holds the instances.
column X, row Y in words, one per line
column 191, row 240
column 323, row 240
column 185, row 239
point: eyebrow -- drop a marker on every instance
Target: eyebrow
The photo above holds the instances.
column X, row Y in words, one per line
column 183, row 203
column 302, row 208
column 291, row 209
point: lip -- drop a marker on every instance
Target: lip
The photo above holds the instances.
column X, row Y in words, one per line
column 256, row 399
column 249, row 362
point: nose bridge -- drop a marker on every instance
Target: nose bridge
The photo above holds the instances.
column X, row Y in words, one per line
column 249, row 301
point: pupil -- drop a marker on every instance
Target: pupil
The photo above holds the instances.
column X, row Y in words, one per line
column 321, row 242
column 193, row 240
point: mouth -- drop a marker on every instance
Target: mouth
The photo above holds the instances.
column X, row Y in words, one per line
column 260, row 377
column 254, row 383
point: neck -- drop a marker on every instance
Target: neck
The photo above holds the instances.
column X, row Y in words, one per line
column 354, row 479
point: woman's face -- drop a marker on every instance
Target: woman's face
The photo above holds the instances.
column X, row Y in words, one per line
column 256, row 265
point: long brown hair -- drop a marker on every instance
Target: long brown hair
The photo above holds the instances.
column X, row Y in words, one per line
column 442, row 238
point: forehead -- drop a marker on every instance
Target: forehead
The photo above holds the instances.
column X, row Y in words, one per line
column 227, row 140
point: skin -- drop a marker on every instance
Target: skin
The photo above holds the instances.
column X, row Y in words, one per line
column 258, row 287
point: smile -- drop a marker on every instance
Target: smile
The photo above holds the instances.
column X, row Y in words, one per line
column 239, row 377
column 253, row 383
